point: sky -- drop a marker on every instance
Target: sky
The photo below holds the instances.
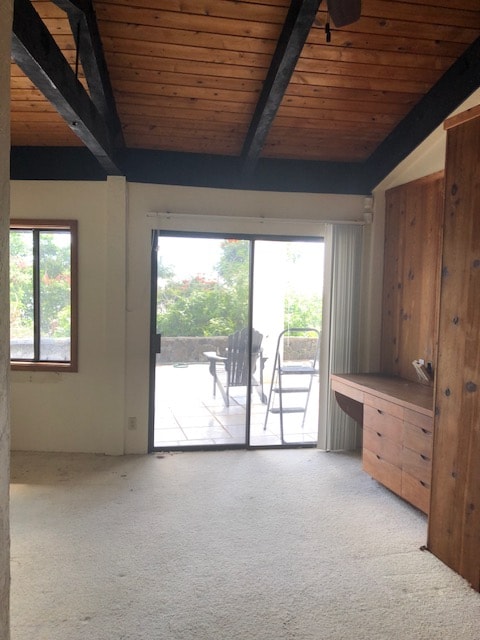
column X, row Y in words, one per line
column 198, row 256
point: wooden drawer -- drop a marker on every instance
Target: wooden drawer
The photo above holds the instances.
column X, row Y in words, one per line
column 385, row 423
column 418, row 439
column 419, row 419
column 385, row 406
column 379, row 444
column 347, row 390
column 386, row 473
column 416, row 491
column 397, row 432
column 417, row 465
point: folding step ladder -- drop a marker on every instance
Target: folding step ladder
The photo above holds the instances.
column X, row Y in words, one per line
column 292, row 378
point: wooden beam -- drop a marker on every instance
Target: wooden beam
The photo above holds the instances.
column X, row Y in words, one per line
column 54, row 163
column 297, row 26
column 35, row 51
column 223, row 172
column 190, row 169
column 455, row 86
column 83, row 22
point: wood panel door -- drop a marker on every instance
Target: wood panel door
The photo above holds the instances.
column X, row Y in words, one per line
column 413, row 226
column 454, row 524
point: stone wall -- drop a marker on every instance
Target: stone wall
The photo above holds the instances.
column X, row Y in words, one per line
column 186, row 349
column 57, row 349
column 190, row 350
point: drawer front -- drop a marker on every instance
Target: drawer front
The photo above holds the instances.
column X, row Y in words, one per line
column 388, row 425
column 418, row 439
column 416, row 492
column 417, row 465
column 420, row 419
column 347, row 390
column 387, row 474
column 379, row 444
column 384, row 405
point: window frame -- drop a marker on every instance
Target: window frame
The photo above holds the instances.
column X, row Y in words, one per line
column 17, row 224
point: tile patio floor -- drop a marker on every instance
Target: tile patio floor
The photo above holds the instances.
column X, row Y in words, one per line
column 187, row 414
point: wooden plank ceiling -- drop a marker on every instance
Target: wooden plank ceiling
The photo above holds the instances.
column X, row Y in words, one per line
column 187, row 74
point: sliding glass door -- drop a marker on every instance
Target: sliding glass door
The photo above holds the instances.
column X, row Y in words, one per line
column 219, row 305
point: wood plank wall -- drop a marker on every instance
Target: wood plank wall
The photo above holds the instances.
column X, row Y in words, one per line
column 413, row 230
column 454, row 524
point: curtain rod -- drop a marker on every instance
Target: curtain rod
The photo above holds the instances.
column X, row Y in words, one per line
column 167, row 215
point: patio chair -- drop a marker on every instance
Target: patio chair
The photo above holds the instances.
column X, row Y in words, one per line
column 236, row 364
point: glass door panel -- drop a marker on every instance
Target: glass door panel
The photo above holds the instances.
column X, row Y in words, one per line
column 202, row 299
column 288, row 289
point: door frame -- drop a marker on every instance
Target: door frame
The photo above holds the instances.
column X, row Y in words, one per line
column 155, row 340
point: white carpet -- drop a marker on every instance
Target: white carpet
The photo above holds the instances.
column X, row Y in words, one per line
column 248, row 545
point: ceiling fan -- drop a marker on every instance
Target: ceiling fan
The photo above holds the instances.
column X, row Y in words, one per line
column 343, row 12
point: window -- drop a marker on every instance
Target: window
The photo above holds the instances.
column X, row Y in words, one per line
column 43, row 295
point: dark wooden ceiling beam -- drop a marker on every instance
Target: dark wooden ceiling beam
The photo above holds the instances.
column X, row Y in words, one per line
column 455, row 86
column 190, row 169
column 297, row 26
column 83, row 22
column 36, row 53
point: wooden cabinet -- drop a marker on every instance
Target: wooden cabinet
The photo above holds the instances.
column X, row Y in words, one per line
column 397, row 449
column 397, row 432
column 438, row 319
column 413, row 250
column 417, row 459
column 382, row 441
column 454, row 524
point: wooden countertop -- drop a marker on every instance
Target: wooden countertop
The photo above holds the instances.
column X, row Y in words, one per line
column 412, row 395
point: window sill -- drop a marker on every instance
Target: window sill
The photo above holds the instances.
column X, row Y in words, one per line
column 58, row 367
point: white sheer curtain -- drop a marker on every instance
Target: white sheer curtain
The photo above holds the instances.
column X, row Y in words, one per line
column 340, row 331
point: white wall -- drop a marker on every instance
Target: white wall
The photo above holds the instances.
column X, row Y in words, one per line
column 81, row 411
column 428, row 157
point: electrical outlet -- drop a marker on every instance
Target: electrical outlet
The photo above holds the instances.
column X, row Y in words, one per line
column 132, row 424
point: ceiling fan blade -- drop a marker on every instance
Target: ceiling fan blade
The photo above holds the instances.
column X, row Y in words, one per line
column 344, row 12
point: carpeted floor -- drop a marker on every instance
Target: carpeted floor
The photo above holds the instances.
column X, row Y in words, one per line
column 247, row 545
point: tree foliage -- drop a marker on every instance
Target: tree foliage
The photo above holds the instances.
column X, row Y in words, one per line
column 302, row 311
column 203, row 307
column 54, row 279
column 207, row 307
